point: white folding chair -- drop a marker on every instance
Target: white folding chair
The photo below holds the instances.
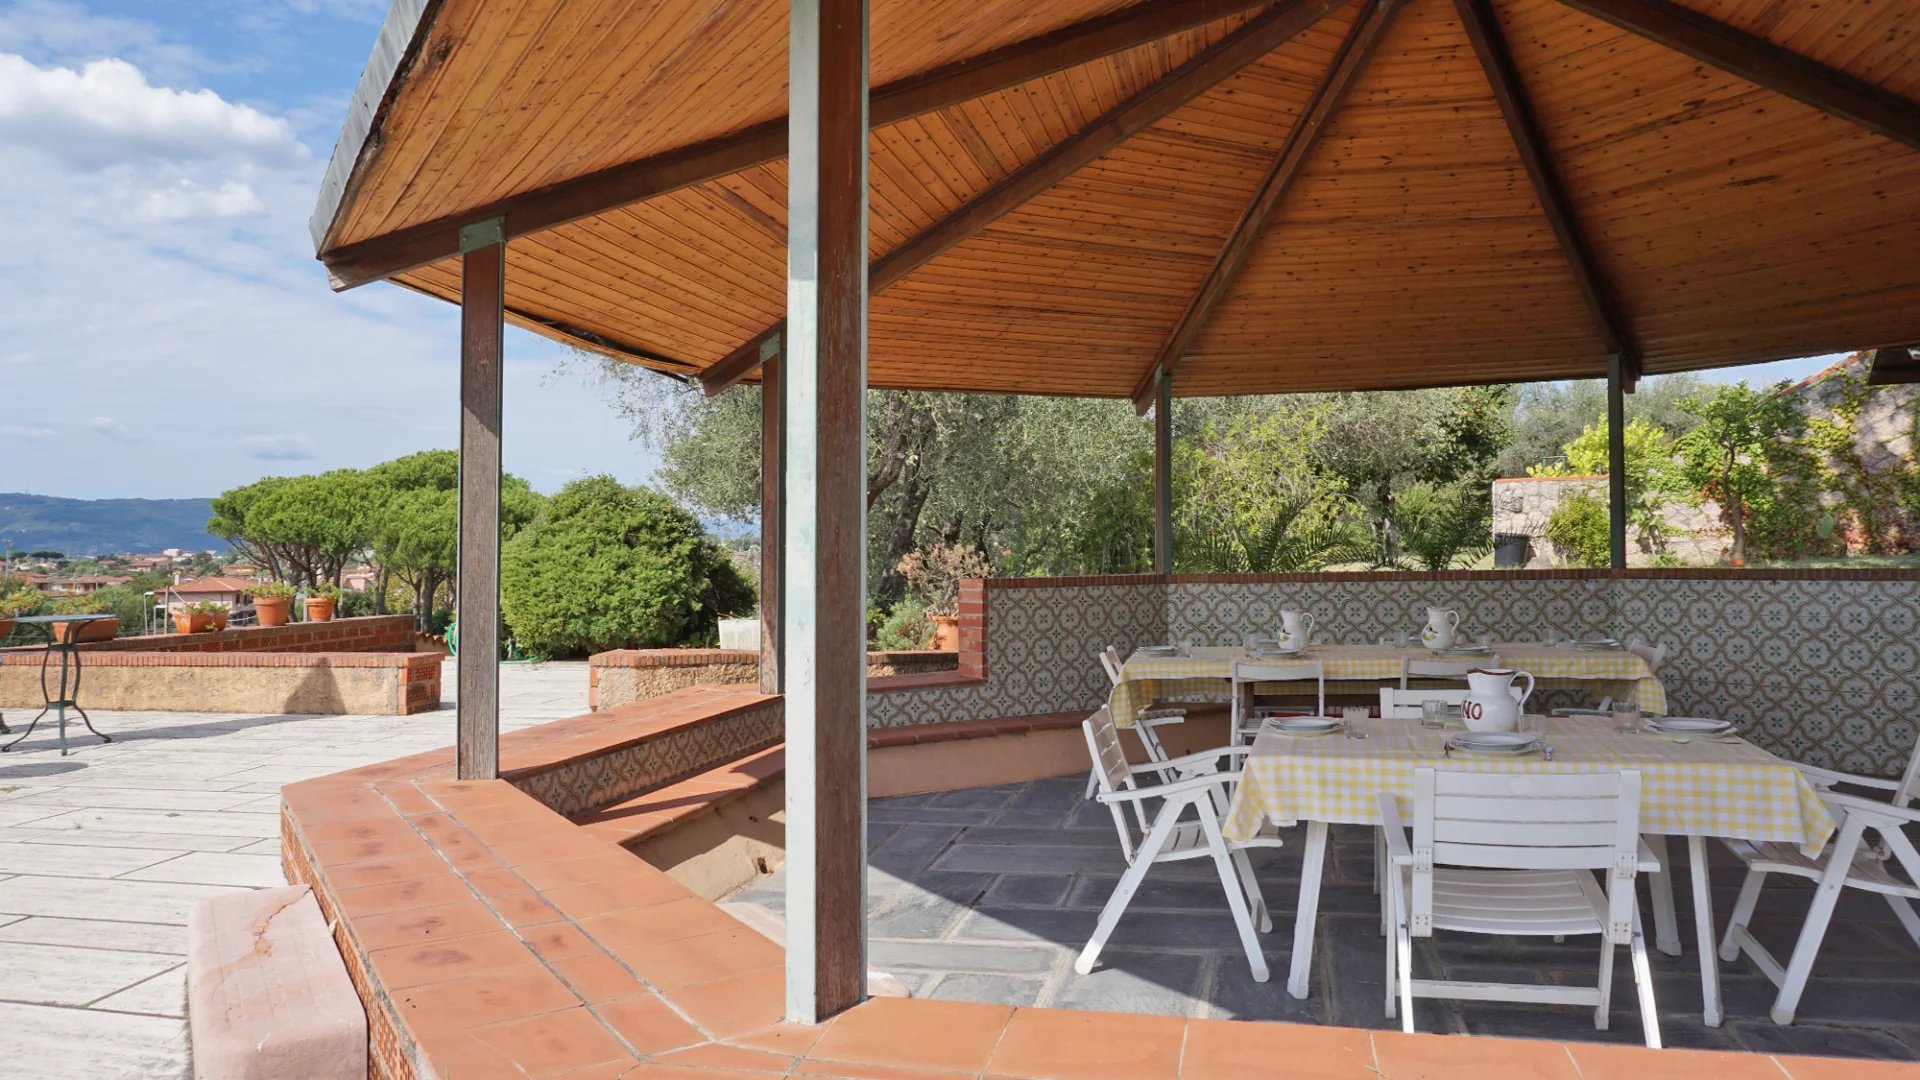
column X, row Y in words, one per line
column 1411, row 668
column 1513, row 853
column 1403, row 704
column 1198, row 787
column 1654, row 655
column 1847, row 863
column 1245, row 718
column 1144, row 722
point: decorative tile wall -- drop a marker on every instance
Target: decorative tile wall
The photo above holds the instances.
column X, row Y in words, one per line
column 591, row 781
column 1820, row 667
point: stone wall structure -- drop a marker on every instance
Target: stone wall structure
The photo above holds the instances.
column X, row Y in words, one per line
column 1522, row 506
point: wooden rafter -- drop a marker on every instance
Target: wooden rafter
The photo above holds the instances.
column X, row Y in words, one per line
column 1760, row 61
column 1359, row 44
column 568, row 334
column 1496, row 59
column 1206, row 70
column 380, row 257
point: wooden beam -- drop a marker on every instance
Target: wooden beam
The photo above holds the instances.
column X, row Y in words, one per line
column 1347, row 62
column 825, row 509
column 477, row 597
column 1893, row 365
column 1204, row 71
column 1760, row 61
column 1163, row 475
column 1617, row 460
column 1496, row 59
column 772, row 530
column 349, row 265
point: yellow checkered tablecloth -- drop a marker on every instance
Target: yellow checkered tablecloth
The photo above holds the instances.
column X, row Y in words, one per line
column 1698, row 788
column 1204, row 672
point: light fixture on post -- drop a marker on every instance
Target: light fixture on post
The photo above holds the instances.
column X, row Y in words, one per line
column 1893, row 365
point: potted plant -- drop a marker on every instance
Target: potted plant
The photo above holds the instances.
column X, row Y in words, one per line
column 199, row 617
column 272, row 602
column 15, row 604
column 321, row 600
column 94, row 630
column 934, row 575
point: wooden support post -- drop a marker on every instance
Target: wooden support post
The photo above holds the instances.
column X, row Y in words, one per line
column 825, row 508
column 772, row 530
column 1617, row 459
column 1163, row 474
column 483, row 266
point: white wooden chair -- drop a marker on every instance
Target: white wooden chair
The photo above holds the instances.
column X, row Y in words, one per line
column 1654, row 655
column 1848, row 862
column 1144, row 722
column 1411, row 668
column 1403, row 704
column 1199, row 794
column 1513, row 853
column 1246, row 719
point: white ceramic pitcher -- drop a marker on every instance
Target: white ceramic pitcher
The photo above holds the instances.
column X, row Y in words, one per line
column 1296, row 629
column 1442, row 624
column 1493, row 703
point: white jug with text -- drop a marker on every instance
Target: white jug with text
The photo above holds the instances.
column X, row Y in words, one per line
column 1493, row 701
column 1296, row 629
column 1442, row 623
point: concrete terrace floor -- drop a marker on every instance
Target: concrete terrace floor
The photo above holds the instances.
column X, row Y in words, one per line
column 989, row 894
column 102, row 852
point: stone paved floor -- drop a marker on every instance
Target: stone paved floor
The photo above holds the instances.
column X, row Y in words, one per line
column 103, row 851
column 988, row 895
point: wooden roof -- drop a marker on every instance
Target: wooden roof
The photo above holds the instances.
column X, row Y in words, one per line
column 1256, row 196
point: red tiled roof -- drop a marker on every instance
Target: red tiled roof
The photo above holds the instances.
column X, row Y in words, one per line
column 215, row 584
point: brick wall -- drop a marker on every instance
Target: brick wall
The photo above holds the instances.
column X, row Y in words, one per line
column 370, row 633
column 340, row 683
column 620, row 676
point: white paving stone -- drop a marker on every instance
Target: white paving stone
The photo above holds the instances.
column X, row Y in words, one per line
column 215, row 868
column 103, row 852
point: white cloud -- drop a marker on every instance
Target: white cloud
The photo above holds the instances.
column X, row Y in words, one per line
column 111, row 428
column 26, row 432
column 62, row 32
column 187, row 200
column 107, row 113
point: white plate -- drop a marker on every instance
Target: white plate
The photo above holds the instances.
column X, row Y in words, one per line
column 1303, row 725
column 1594, row 643
column 1687, row 725
column 1494, row 742
column 1463, row 650
column 1276, row 651
column 1160, row 650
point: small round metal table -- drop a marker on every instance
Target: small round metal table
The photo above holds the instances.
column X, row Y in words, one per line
column 68, row 646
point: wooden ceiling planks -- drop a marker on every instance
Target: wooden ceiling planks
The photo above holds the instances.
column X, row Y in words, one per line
column 1734, row 223
column 1410, row 236
column 1737, row 224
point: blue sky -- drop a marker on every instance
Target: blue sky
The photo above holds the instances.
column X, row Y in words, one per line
column 164, row 330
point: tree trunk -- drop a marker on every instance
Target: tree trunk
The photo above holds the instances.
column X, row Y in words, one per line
column 1739, row 553
column 900, row 533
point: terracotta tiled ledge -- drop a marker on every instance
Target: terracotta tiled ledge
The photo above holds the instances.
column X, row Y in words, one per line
column 490, row 937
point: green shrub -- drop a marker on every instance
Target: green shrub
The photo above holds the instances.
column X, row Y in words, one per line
column 270, row 590
column 89, row 604
column 353, row 604
column 606, row 566
column 907, row 627
column 1578, row 527
column 20, row 602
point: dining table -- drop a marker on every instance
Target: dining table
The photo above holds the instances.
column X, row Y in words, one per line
column 1690, row 787
column 1202, row 671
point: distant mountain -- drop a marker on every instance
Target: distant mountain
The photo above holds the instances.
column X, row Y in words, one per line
column 101, row 526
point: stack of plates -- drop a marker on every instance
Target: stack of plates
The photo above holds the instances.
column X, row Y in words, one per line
column 1595, row 643
column 1463, row 650
column 1697, row 727
column 1276, row 651
column 1160, row 650
column 1509, row 743
column 1302, row 725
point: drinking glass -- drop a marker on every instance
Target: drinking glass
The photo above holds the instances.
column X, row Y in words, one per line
column 1626, row 719
column 1433, row 713
column 1486, row 641
column 1354, row 713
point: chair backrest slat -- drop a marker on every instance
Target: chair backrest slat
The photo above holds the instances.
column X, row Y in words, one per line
column 1111, row 663
column 1527, row 821
column 1909, row 788
column 1445, row 669
column 1112, row 771
column 1292, row 671
column 1398, row 704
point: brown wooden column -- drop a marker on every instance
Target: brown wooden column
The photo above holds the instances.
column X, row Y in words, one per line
column 483, row 251
column 1617, row 459
column 772, row 531
column 825, row 508
column 1163, row 474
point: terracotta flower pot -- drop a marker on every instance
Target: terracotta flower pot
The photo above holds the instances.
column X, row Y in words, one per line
column 192, row 622
column 320, row 608
column 97, row 630
column 946, row 632
column 220, row 619
column 6, row 627
column 273, row 610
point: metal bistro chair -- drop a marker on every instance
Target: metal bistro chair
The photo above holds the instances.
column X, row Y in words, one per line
column 1245, row 718
column 1200, row 794
column 1848, row 862
column 1514, row 854
column 1144, row 722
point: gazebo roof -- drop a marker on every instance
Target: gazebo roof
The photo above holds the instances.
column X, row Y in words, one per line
column 1261, row 197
